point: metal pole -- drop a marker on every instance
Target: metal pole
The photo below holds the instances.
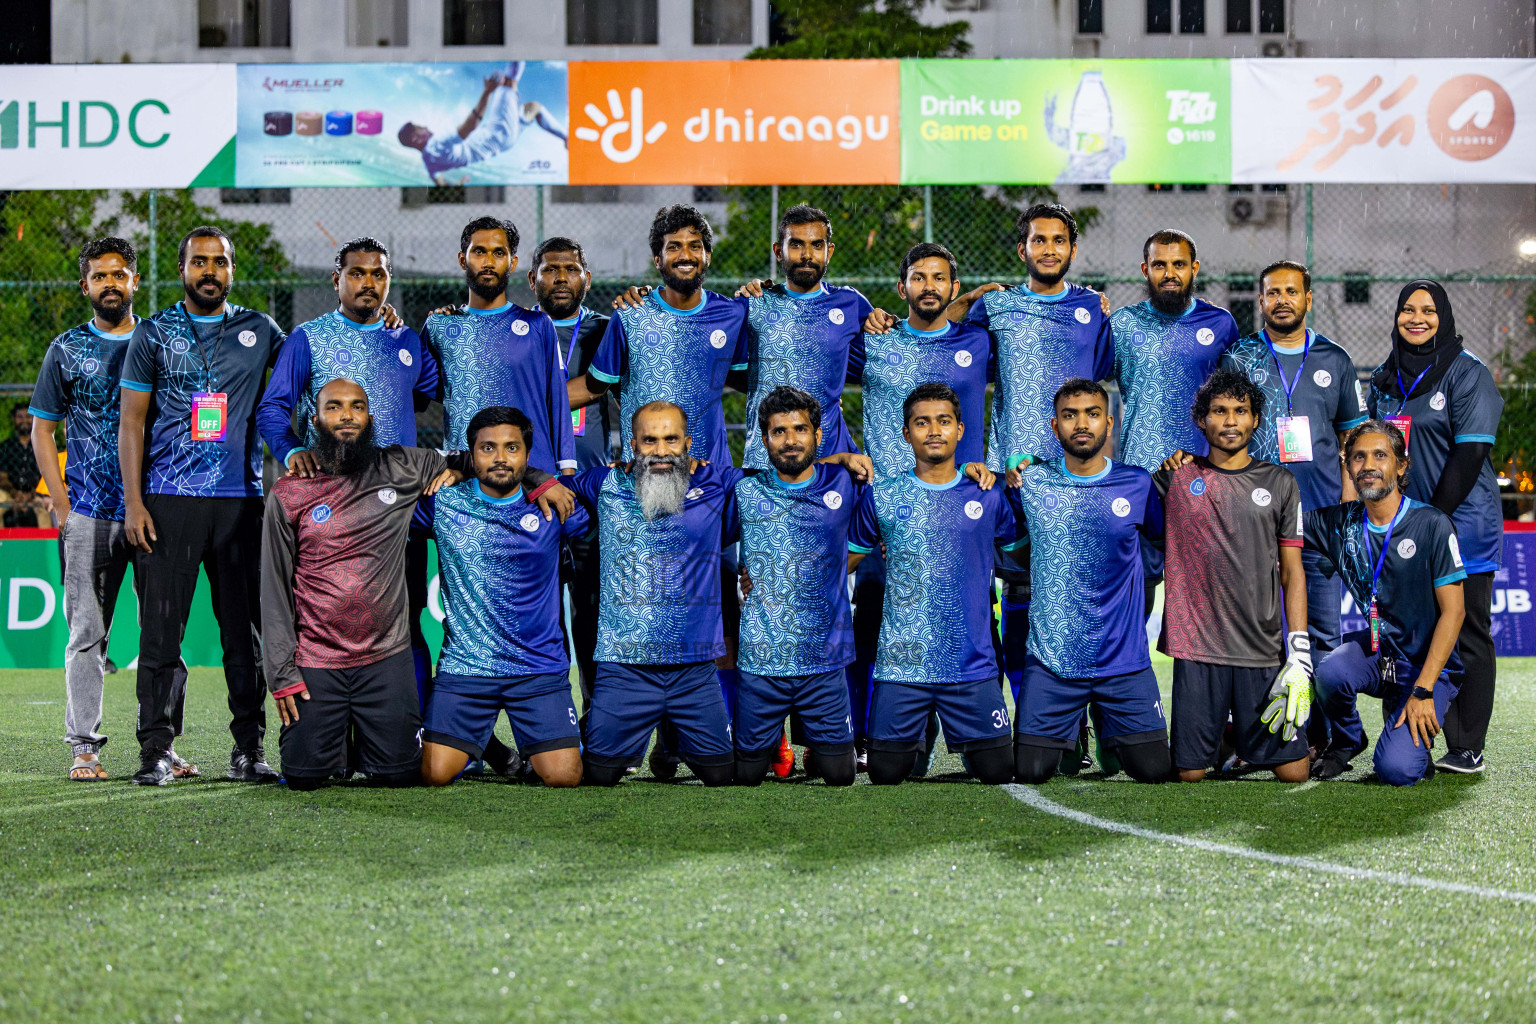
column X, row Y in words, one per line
column 927, row 213
column 773, row 227
column 154, row 250
column 538, row 212
column 1309, row 225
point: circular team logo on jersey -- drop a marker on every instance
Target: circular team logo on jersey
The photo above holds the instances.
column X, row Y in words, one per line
column 1259, row 376
column 693, row 493
column 894, row 358
column 903, row 512
column 835, row 315
column 1082, row 315
column 832, row 500
column 343, row 356
column 90, row 366
column 248, row 339
column 388, row 495
column 452, row 331
column 1138, row 337
column 1049, row 501
column 180, row 346
column 1205, row 336
column 717, row 339
column 973, row 509
column 764, row 506
column 519, row 327
column 1322, row 378
column 1120, row 507
column 460, row 520
column 320, row 513
column 1197, row 486
column 962, row 358
column 1437, row 401
column 1262, row 497
column 529, row 522
column 405, row 357
column 1406, row 548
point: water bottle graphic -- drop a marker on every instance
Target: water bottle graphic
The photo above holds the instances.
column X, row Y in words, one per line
column 1093, row 149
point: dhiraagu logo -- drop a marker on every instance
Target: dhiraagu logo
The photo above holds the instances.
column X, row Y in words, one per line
column 620, row 132
column 82, row 124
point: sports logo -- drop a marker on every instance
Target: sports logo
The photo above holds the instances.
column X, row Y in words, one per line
column 1360, row 397
column 1406, row 548
column 248, row 338
column 619, row 124
column 1455, row 550
column 1322, row 378
column 180, row 346
column 90, row 366
column 1205, row 336
column 1082, row 315
column 519, row 327
column 894, row 358
column 973, row 509
column 903, row 512
column 1197, row 486
column 693, row 493
column 764, row 506
column 962, row 358
column 388, row 495
column 529, row 522
column 832, row 500
column 717, row 339
column 405, row 357
column 835, row 315
column 1262, row 497
column 343, row 356
column 1471, row 117
column 1121, row 507
column 320, row 513
column 1437, row 401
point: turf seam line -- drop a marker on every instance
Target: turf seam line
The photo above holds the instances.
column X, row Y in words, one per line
column 1028, row 795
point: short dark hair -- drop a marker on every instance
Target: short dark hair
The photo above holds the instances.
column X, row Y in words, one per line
column 676, row 217
column 96, row 248
column 923, row 251
column 1227, row 384
column 499, row 416
column 25, row 405
column 558, row 243
column 366, row 243
column 205, row 231
column 933, row 391
column 660, row 403
column 1394, row 435
column 489, row 224
column 784, row 399
column 1079, row 386
column 1300, row 268
column 1046, row 211
column 803, row 213
column 1168, row 236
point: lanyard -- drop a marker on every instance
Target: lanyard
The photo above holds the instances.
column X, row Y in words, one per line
column 575, row 333
column 1306, row 346
column 1411, row 387
column 198, row 341
column 1386, row 542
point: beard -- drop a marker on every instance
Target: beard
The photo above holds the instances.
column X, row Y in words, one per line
column 1373, row 487
column 504, row 478
column 110, row 314
column 661, row 493
column 343, row 458
column 683, row 285
column 1049, row 280
column 485, row 290
column 804, row 275
column 558, row 309
column 1084, row 449
column 792, row 465
column 1170, row 303
column 195, row 294
column 1279, row 328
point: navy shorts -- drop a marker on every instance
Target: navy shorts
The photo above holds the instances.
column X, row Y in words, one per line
column 1204, row 694
column 629, row 701
column 1051, row 708
column 972, row 715
column 820, row 702
column 374, row 704
column 461, row 713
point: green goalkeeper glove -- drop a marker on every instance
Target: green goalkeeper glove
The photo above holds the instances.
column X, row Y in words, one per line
column 1290, row 699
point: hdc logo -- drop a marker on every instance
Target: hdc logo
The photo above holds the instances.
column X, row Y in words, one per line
column 98, row 124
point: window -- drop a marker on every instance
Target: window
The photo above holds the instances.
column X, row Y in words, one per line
column 1241, row 282
column 1357, row 289
column 1091, row 188
column 1272, row 188
column 437, row 195
column 722, row 22
column 610, row 22
column 1272, row 16
column 1242, row 311
column 232, row 23
column 1192, row 188
column 377, row 22
column 708, row 194
column 473, row 23
column 1192, row 17
column 1159, row 188
column 1159, row 17
column 255, row 196
column 1090, row 17
column 1239, row 188
column 1239, row 17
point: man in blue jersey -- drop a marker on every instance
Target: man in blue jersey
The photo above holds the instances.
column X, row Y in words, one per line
column 1086, row 517
column 391, row 364
column 936, row 653
column 1400, row 560
column 191, row 465
column 503, row 647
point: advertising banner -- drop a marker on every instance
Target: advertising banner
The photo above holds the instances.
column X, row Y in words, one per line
column 1384, row 120
column 484, row 123
column 775, row 122
column 117, row 125
column 1064, row 122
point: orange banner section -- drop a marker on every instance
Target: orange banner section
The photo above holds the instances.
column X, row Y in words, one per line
column 771, row 122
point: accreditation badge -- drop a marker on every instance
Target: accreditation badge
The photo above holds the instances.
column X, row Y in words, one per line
column 579, row 421
column 1402, row 423
column 210, row 415
column 1295, row 433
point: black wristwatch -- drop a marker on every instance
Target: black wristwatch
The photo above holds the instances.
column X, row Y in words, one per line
column 1422, row 693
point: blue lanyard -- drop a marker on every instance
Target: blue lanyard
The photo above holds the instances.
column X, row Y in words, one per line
column 1411, row 387
column 1306, row 346
column 575, row 333
column 1386, row 542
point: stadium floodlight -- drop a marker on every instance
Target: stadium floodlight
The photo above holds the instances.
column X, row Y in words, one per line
column 1527, row 248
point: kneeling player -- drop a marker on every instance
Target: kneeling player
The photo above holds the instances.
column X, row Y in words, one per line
column 333, row 601
column 1233, row 549
column 503, row 648
column 1085, row 517
column 935, row 651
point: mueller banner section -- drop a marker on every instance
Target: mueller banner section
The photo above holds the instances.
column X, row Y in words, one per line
column 775, row 122
column 1384, row 120
column 485, row 123
column 1064, row 122
column 117, row 125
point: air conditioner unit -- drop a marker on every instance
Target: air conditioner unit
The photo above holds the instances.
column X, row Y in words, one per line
column 1248, row 209
column 962, row 5
column 1280, row 48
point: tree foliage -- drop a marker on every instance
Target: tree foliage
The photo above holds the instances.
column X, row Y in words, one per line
column 858, row 29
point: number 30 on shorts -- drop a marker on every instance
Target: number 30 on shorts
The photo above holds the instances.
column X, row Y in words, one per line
column 1000, row 718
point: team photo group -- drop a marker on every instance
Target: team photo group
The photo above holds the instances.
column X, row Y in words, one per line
column 975, row 551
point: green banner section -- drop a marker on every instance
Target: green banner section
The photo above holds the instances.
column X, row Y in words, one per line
column 1065, row 122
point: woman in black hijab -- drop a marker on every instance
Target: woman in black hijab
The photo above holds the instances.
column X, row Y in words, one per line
column 1444, row 399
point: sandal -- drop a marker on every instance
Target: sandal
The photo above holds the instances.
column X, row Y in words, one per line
column 181, row 768
column 87, row 769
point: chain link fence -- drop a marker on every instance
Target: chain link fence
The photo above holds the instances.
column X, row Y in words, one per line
column 1362, row 243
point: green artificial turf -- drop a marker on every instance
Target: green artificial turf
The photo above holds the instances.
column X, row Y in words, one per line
column 933, row 901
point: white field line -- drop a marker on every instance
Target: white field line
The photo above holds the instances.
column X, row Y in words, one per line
column 1028, row 795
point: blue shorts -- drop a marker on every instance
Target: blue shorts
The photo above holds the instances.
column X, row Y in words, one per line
column 630, row 701
column 820, row 701
column 1051, row 708
column 972, row 715
column 461, row 713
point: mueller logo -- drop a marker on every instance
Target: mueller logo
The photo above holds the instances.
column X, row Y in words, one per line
column 1471, row 117
column 301, row 84
column 631, row 129
column 96, row 123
